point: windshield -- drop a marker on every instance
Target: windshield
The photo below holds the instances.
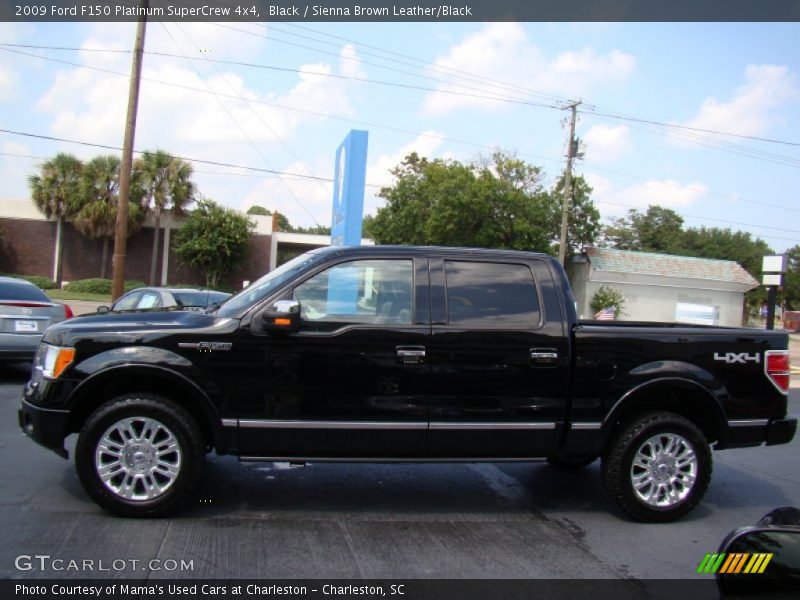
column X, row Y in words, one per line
column 266, row 285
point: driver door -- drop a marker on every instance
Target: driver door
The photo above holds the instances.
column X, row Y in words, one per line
column 352, row 382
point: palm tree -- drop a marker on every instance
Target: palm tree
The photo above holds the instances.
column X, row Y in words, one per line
column 56, row 193
column 97, row 217
column 166, row 183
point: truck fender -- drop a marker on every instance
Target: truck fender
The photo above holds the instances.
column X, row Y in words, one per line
column 81, row 398
column 662, row 375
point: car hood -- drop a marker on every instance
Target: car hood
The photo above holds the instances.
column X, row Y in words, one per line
column 136, row 327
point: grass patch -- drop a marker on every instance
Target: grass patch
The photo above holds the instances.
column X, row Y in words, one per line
column 65, row 295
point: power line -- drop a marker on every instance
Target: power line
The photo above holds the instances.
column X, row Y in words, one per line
column 289, row 70
column 708, row 218
column 687, row 127
column 329, row 179
column 719, row 144
column 270, row 175
column 186, row 158
column 440, row 68
column 686, row 136
column 381, row 126
column 241, row 129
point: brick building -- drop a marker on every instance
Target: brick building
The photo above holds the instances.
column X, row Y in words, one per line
column 28, row 240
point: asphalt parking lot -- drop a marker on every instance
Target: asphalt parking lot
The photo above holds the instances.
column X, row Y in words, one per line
column 267, row 520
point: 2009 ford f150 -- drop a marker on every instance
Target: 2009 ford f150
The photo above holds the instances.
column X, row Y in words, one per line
column 403, row 354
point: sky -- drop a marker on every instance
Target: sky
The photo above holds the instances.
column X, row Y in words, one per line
column 444, row 90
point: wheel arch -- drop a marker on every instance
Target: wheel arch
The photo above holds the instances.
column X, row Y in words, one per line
column 681, row 396
column 109, row 383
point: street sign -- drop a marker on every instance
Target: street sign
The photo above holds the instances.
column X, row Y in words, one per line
column 774, row 264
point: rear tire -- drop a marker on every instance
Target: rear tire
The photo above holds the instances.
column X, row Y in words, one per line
column 658, row 467
column 140, row 455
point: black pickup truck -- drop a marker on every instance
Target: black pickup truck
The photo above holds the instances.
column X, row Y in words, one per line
column 403, row 354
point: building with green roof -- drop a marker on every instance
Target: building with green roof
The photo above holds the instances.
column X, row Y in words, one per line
column 662, row 287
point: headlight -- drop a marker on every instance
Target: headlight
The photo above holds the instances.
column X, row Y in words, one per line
column 52, row 360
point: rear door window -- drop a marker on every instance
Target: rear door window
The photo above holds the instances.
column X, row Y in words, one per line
column 491, row 295
column 128, row 302
column 149, row 300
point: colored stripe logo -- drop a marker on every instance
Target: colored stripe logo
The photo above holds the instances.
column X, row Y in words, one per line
column 734, row 563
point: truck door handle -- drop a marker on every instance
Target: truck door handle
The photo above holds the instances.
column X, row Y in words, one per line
column 411, row 355
column 544, row 355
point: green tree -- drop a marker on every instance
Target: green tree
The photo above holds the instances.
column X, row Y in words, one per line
column 607, row 297
column 739, row 246
column 495, row 202
column 55, row 191
column 658, row 229
column 259, row 210
column 166, row 183
column 584, row 219
column 791, row 280
column 214, row 239
column 281, row 221
column 314, row 230
column 448, row 203
column 97, row 217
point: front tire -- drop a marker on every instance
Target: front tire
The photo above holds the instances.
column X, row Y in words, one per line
column 139, row 455
column 658, row 468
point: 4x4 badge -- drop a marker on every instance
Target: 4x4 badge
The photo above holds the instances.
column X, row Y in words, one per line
column 206, row 346
column 737, row 358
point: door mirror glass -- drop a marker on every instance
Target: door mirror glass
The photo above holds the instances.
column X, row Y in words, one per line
column 759, row 561
column 286, row 306
column 284, row 315
column 101, row 310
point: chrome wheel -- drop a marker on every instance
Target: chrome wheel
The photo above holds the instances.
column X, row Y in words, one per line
column 664, row 470
column 138, row 458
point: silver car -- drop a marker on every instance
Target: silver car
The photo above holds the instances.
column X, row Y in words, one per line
column 25, row 312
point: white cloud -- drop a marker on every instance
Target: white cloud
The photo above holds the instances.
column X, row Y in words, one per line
column 89, row 105
column 667, row 193
column 378, row 169
column 606, row 144
column 753, row 108
column 11, row 167
column 9, row 83
column 11, row 33
column 296, row 197
column 503, row 52
column 350, row 63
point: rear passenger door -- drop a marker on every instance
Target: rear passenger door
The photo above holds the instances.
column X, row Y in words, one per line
column 498, row 358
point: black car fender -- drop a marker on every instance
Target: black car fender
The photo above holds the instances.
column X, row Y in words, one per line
column 691, row 391
column 122, row 377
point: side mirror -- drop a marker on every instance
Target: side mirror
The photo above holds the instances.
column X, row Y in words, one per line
column 101, row 310
column 763, row 560
column 284, row 315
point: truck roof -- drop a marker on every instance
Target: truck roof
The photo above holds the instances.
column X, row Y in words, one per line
column 440, row 250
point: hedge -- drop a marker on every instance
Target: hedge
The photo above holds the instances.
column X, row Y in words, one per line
column 98, row 286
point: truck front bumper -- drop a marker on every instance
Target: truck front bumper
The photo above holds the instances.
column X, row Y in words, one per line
column 45, row 426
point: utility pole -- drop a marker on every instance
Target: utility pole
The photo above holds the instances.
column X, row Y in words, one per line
column 121, row 231
column 562, row 247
